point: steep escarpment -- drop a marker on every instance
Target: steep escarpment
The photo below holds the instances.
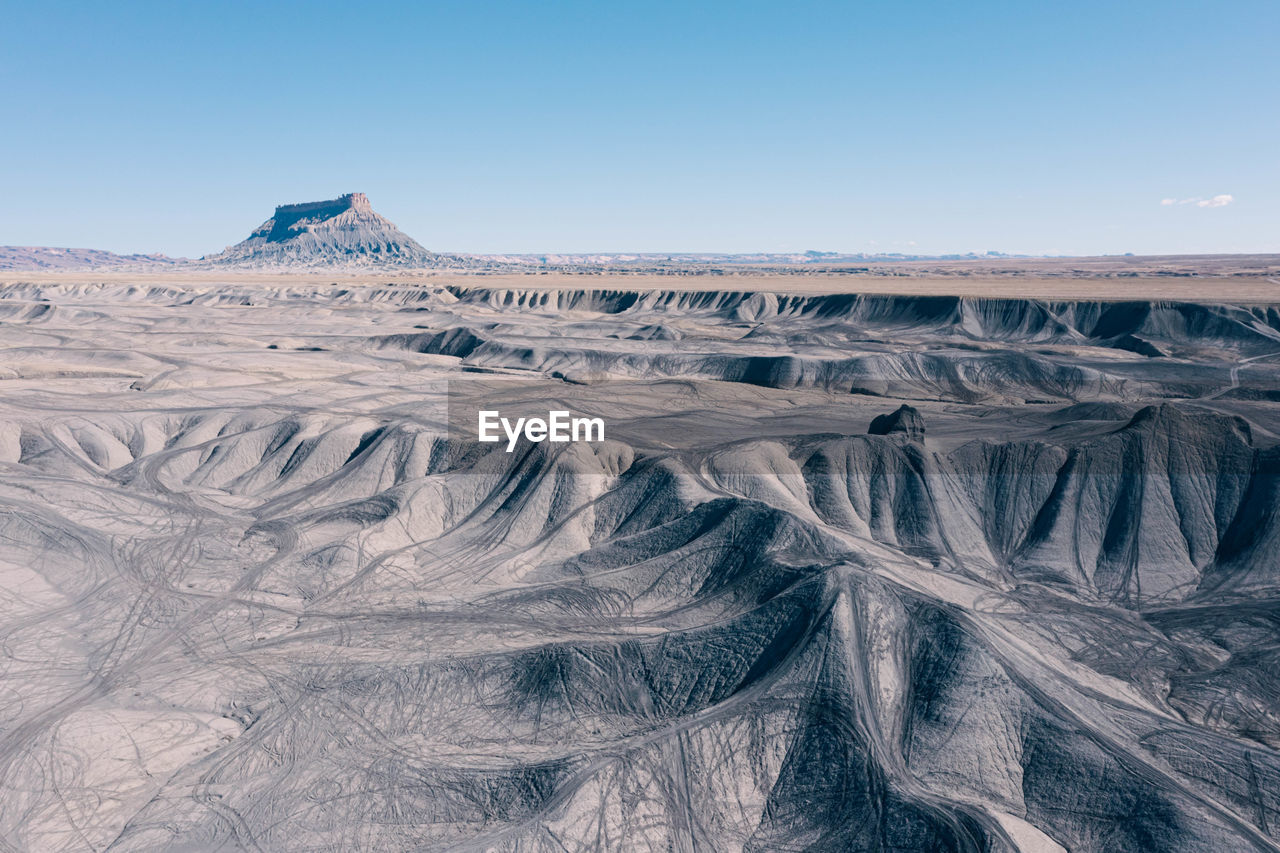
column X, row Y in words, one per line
column 1016, row 320
column 931, row 348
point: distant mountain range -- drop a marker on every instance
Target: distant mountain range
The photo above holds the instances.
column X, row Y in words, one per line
column 49, row 258
column 745, row 258
column 346, row 233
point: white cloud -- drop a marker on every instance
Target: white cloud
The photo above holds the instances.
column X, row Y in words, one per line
column 1217, row 201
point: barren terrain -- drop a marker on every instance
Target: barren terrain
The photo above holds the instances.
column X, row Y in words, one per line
column 951, row 559
column 1252, row 279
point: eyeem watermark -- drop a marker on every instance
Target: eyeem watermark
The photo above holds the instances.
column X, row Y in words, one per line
column 559, row 427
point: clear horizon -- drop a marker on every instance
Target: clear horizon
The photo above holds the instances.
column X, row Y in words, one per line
column 572, row 127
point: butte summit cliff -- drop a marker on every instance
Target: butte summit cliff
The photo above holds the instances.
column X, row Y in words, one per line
column 340, row 232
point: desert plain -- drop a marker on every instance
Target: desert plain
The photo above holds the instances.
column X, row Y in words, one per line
column 972, row 555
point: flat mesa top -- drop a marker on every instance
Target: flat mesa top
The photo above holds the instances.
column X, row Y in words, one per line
column 350, row 201
column 1252, row 279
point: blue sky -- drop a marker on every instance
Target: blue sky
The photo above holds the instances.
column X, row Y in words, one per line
column 607, row 126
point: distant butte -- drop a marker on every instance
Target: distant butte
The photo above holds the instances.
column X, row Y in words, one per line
column 340, row 232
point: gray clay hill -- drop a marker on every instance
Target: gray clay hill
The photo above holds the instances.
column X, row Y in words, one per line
column 847, row 573
column 344, row 231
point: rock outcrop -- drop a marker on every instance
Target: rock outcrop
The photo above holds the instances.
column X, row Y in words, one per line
column 906, row 419
column 344, row 231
